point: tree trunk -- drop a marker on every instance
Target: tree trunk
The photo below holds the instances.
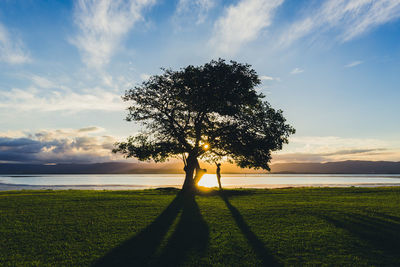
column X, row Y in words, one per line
column 192, row 165
column 188, row 184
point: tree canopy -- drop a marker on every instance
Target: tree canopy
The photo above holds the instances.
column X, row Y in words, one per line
column 208, row 111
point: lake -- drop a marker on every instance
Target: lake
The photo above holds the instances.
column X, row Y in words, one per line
column 144, row 181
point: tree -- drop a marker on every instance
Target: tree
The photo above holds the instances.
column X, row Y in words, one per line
column 211, row 111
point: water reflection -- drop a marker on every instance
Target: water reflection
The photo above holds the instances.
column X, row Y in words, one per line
column 209, row 180
column 142, row 181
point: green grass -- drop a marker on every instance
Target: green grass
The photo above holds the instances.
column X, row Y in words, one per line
column 308, row 226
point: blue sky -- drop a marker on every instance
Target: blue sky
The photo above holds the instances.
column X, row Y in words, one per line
column 333, row 67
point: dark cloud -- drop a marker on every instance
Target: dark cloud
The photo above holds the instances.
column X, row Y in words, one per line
column 58, row 146
column 354, row 151
column 89, row 129
column 298, row 157
column 11, row 156
column 19, row 145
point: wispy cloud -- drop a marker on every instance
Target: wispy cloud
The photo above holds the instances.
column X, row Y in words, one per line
column 342, row 155
column 102, row 25
column 242, row 23
column 42, row 82
column 333, row 148
column 58, row 146
column 269, row 78
column 266, row 78
column 12, row 50
column 349, row 19
column 192, row 10
column 327, row 143
column 296, row 71
column 353, row 64
column 90, row 129
column 33, row 99
column 145, row 76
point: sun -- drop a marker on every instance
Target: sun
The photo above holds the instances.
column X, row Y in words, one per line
column 206, row 146
column 208, row 180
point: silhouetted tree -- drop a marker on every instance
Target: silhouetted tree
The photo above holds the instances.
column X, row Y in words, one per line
column 204, row 111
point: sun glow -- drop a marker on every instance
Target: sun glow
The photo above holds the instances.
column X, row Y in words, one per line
column 206, row 146
column 208, row 180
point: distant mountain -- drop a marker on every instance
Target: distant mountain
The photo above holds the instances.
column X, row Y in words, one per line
column 95, row 168
column 342, row 167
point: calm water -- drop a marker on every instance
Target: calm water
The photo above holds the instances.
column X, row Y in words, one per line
column 142, row 181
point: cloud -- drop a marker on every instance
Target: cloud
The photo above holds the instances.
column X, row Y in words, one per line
column 33, row 99
column 90, row 129
column 192, row 10
column 102, row 25
column 348, row 19
column 42, row 82
column 58, row 146
column 353, row 64
column 12, row 50
column 332, row 148
column 354, row 151
column 266, row 78
column 324, row 142
column 375, row 13
column 242, row 23
column 72, row 93
column 13, row 134
column 340, row 155
column 145, row 76
column 296, row 71
column 48, row 135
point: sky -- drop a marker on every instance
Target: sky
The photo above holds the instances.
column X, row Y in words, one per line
column 332, row 66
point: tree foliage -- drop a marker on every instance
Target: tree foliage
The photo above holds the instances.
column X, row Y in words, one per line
column 215, row 104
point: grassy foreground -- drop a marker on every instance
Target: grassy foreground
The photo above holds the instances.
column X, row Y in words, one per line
column 309, row 226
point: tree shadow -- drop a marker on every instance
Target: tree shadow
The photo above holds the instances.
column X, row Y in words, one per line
column 190, row 236
column 138, row 250
column 205, row 191
column 257, row 245
column 379, row 235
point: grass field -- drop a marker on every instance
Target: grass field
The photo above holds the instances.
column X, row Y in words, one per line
column 308, row 226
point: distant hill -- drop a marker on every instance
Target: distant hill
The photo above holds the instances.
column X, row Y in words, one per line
column 342, row 167
column 95, row 168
